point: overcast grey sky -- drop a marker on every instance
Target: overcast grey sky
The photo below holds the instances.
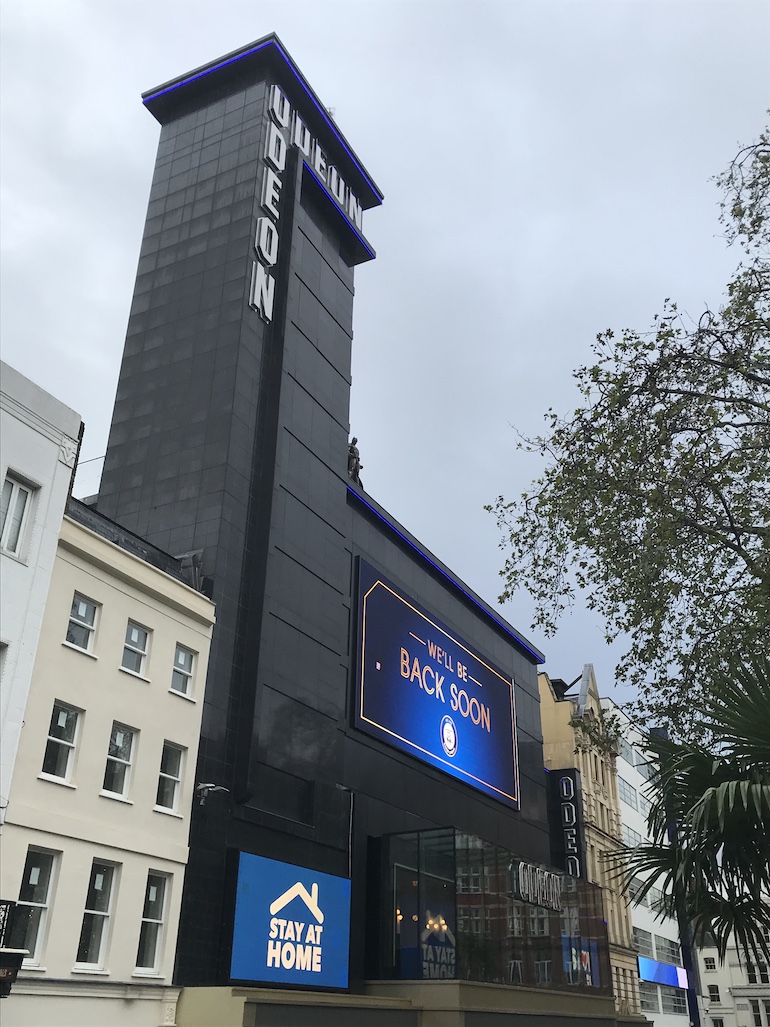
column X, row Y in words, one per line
column 546, row 173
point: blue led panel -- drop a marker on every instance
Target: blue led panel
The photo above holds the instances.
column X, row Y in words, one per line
column 662, row 973
column 292, row 925
column 424, row 690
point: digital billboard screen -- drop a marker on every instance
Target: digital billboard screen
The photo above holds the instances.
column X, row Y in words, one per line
column 424, row 690
column 662, row 973
column 292, row 925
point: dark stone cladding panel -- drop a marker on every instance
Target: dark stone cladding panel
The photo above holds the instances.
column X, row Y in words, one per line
column 308, row 568
column 191, row 355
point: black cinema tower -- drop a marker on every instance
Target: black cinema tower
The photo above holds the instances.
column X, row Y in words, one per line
column 229, row 443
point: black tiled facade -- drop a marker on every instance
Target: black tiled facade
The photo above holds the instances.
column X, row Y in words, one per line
column 230, row 437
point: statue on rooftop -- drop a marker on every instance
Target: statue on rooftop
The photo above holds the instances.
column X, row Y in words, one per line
column 354, row 462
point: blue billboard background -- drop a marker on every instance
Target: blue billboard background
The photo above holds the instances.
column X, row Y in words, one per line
column 425, row 691
column 662, row 973
column 292, row 925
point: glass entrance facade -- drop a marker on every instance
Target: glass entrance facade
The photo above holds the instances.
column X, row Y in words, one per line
column 456, row 907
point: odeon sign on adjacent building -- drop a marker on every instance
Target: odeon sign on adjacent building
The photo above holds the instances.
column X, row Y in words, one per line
column 286, row 128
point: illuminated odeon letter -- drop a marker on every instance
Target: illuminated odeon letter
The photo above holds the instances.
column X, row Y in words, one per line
column 337, row 186
column 280, row 108
column 319, row 161
column 275, row 150
column 262, row 291
column 301, row 137
column 271, row 193
column 355, row 212
column 267, row 241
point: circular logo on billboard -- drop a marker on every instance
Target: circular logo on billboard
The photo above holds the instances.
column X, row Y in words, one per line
column 448, row 736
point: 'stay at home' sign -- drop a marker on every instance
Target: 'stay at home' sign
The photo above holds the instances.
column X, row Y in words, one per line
column 292, row 925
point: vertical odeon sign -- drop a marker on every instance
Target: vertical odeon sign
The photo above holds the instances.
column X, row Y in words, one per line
column 566, row 815
column 286, row 128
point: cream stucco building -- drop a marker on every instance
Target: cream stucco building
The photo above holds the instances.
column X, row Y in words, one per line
column 96, row 835
column 565, row 744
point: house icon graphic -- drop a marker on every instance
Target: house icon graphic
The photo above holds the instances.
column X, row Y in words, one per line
column 299, row 891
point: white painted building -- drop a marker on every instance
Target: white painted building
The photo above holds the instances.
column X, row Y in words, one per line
column 95, row 842
column 38, row 446
column 736, row 993
column 656, row 938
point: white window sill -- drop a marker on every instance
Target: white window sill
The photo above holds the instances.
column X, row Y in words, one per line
column 14, row 556
column 95, row 970
column 155, row 974
column 116, row 797
column 133, row 674
column 79, row 649
column 182, row 695
column 33, row 967
column 55, row 780
column 168, row 812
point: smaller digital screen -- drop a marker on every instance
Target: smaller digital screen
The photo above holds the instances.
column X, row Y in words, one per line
column 292, row 925
column 662, row 973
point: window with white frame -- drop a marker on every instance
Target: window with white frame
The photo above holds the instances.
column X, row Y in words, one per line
column 463, row 921
column 515, row 971
column 709, row 963
column 673, row 1000
column 644, row 805
column 182, row 674
column 656, row 899
column 539, row 922
column 543, row 971
column 756, row 1012
column 60, row 747
column 668, row 951
column 150, row 934
column 717, row 1021
column 627, row 793
column 631, row 837
column 470, row 879
column 714, row 993
column 15, row 509
column 644, row 768
column 82, row 623
column 757, row 974
column 117, row 772
column 627, row 752
column 516, row 920
column 633, row 890
column 643, row 943
column 31, row 914
column 648, row 997
column 170, row 777
column 135, row 648
column 94, row 933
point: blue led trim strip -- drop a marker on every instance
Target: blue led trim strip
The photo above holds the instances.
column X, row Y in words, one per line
column 206, row 71
column 290, row 64
column 350, row 224
column 455, row 584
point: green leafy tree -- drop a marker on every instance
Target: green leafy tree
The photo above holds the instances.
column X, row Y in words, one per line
column 654, row 505
column 710, row 822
